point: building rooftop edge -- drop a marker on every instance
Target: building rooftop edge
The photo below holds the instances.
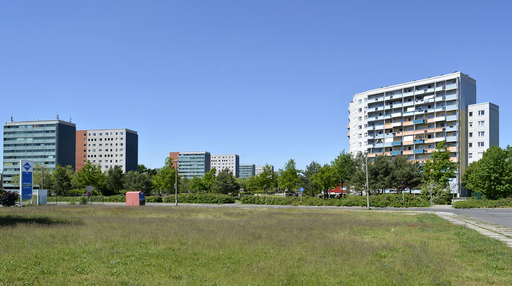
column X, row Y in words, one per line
column 40, row 122
column 128, row 130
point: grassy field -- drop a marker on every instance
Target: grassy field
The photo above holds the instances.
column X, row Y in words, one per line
column 105, row 245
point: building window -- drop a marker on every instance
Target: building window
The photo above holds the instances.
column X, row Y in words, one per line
column 470, row 124
column 470, row 113
column 360, row 126
column 481, row 112
column 359, row 135
column 480, row 144
column 360, row 118
column 481, row 123
column 481, row 133
column 470, row 155
column 470, row 145
column 360, row 101
column 470, row 134
column 365, row 135
column 360, row 144
column 360, row 110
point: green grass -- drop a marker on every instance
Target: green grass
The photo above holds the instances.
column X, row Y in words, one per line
column 105, row 245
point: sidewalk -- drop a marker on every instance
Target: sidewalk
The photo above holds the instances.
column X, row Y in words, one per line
column 491, row 230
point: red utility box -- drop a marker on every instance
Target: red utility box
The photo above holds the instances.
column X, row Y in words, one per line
column 135, row 199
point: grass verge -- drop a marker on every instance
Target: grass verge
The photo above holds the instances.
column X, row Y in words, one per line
column 105, row 245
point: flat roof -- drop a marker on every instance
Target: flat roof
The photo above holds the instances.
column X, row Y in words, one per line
column 39, row 122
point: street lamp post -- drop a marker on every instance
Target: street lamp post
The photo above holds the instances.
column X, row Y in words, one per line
column 176, row 183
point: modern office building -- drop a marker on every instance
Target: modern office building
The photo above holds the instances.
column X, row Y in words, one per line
column 259, row 169
column 221, row 162
column 193, row 164
column 45, row 142
column 108, row 148
column 483, row 129
column 246, row 170
column 411, row 118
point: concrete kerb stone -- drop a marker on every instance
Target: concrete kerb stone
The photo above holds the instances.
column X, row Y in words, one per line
column 498, row 232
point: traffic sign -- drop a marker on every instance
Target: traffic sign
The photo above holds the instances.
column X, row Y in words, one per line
column 302, row 189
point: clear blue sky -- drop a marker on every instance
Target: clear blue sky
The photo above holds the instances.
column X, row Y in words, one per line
column 267, row 80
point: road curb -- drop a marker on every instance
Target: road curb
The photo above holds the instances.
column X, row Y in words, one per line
column 498, row 232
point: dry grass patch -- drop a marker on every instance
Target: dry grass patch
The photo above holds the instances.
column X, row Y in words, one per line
column 105, row 245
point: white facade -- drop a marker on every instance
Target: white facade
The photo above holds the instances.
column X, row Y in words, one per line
column 230, row 161
column 259, row 169
column 409, row 119
column 108, row 148
column 483, row 129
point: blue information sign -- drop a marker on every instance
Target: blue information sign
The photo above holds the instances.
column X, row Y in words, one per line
column 302, row 189
column 26, row 169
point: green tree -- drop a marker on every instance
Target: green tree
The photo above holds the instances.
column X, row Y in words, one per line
column 137, row 182
column 342, row 165
column 267, row 178
column 143, row 170
column 325, row 179
column 41, row 171
column 196, row 184
column 289, row 177
column 185, row 186
column 380, row 173
column 62, row 178
column 357, row 179
column 439, row 168
column 91, row 175
column 305, row 178
column 208, row 180
column 491, row 175
column 115, row 179
column 404, row 174
column 165, row 177
column 226, row 182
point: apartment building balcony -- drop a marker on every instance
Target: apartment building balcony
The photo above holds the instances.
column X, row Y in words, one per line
column 388, row 106
column 389, row 135
column 396, row 124
column 452, row 149
column 408, row 93
column 408, row 152
column 430, row 120
column 378, row 136
column 429, row 90
column 408, row 123
column 348, row 134
column 399, row 133
column 441, row 108
column 387, row 125
column 376, row 108
column 439, row 139
column 373, row 118
column 451, row 96
column 408, row 103
column 451, row 117
column 419, row 121
column 411, row 132
column 396, row 143
column 394, row 96
column 418, row 151
column 378, row 145
column 429, row 150
column 348, row 126
column 379, row 127
column 451, row 139
column 451, row 128
column 408, row 143
column 440, row 129
column 430, row 140
column 440, row 118
column 451, row 86
column 375, row 154
column 451, row 107
column 419, row 141
column 387, row 116
column 394, row 153
column 388, row 144
column 396, row 114
column 409, row 113
column 453, row 159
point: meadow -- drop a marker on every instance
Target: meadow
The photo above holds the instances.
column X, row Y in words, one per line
column 118, row 245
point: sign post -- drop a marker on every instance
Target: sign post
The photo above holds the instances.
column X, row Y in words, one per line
column 89, row 192
column 301, row 192
column 26, row 171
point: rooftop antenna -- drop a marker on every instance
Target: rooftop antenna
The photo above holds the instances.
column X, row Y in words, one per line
column 57, row 115
column 70, row 118
column 11, row 117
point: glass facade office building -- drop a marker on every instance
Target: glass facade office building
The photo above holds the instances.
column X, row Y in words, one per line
column 246, row 170
column 46, row 142
column 192, row 164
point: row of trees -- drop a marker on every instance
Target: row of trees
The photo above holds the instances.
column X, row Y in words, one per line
column 491, row 175
column 384, row 173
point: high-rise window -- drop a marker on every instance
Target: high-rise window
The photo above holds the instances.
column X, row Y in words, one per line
column 481, row 112
column 480, row 144
column 481, row 133
column 481, row 123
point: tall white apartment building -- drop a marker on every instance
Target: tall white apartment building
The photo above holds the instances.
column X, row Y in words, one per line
column 230, row 161
column 108, row 148
column 411, row 118
column 483, row 129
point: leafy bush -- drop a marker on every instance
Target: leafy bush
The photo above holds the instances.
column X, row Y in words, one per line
column 201, row 199
column 439, row 195
column 8, row 198
column 389, row 200
column 83, row 200
column 471, row 203
column 154, row 199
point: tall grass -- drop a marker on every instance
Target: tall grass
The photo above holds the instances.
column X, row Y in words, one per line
column 105, row 245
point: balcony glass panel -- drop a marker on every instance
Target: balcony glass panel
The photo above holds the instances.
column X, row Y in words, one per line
column 394, row 153
column 418, row 151
column 419, row 121
column 451, row 86
column 398, row 143
column 451, row 138
column 451, row 117
column 419, row 141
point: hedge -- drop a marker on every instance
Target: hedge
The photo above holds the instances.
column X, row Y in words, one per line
column 201, row 199
column 389, row 200
column 471, row 203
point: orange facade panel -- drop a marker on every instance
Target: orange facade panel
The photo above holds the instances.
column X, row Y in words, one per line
column 80, row 149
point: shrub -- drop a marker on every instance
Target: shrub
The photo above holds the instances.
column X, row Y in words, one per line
column 389, row 200
column 83, row 200
column 201, row 199
column 8, row 198
column 471, row 203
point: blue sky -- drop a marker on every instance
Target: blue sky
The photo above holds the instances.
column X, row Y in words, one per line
column 267, row 80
